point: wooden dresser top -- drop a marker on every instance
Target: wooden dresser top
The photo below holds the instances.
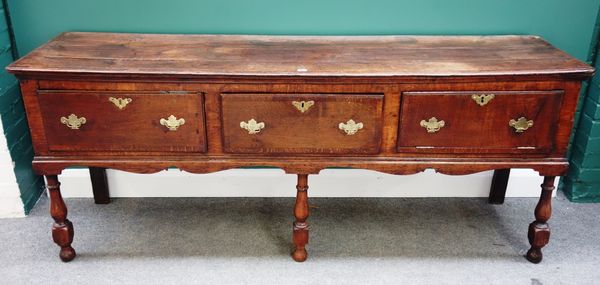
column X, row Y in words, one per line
column 243, row 55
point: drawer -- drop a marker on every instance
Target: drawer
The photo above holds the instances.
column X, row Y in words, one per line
column 479, row 121
column 301, row 123
column 123, row 121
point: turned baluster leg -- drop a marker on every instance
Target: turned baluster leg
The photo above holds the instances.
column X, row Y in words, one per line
column 539, row 231
column 300, row 236
column 62, row 230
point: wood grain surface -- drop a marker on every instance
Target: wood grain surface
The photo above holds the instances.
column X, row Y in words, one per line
column 288, row 130
column 110, row 53
column 136, row 127
column 470, row 127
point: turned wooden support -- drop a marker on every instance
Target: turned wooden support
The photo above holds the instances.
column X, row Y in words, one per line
column 539, row 231
column 99, row 185
column 300, row 235
column 62, row 230
column 499, row 184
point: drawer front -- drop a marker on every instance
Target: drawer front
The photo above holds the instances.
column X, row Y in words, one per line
column 120, row 121
column 301, row 123
column 479, row 121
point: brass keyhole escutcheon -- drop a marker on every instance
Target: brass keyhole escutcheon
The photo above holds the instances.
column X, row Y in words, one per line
column 303, row 106
column 172, row 123
column 252, row 126
column 432, row 125
column 73, row 122
column 521, row 124
column 120, row 102
column 482, row 99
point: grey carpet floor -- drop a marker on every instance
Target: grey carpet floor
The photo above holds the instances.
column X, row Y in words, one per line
column 352, row 241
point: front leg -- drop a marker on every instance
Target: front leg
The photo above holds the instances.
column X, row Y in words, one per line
column 539, row 231
column 300, row 236
column 62, row 230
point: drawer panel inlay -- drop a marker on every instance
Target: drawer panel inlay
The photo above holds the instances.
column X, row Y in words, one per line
column 142, row 121
column 330, row 123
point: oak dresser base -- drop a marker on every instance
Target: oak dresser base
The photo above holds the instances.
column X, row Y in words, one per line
column 144, row 103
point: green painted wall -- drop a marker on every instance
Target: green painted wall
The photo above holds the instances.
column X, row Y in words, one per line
column 582, row 184
column 568, row 25
column 14, row 122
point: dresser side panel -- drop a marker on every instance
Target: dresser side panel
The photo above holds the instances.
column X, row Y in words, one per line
column 34, row 116
column 567, row 117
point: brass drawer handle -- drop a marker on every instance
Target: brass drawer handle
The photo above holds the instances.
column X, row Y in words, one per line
column 432, row 125
column 252, row 126
column 303, row 106
column 73, row 122
column 120, row 102
column 482, row 99
column 350, row 127
column 521, row 124
column 172, row 123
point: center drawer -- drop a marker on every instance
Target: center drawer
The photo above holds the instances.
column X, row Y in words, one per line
column 123, row 121
column 301, row 123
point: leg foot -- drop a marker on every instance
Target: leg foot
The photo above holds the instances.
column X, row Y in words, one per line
column 62, row 230
column 67, row 254
column 300, row 227
column 299, row 255
column 534, row 255
column 499, row 184
column 300, row 238
column 63, row 236
column 539, row 235
column 539, row 231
